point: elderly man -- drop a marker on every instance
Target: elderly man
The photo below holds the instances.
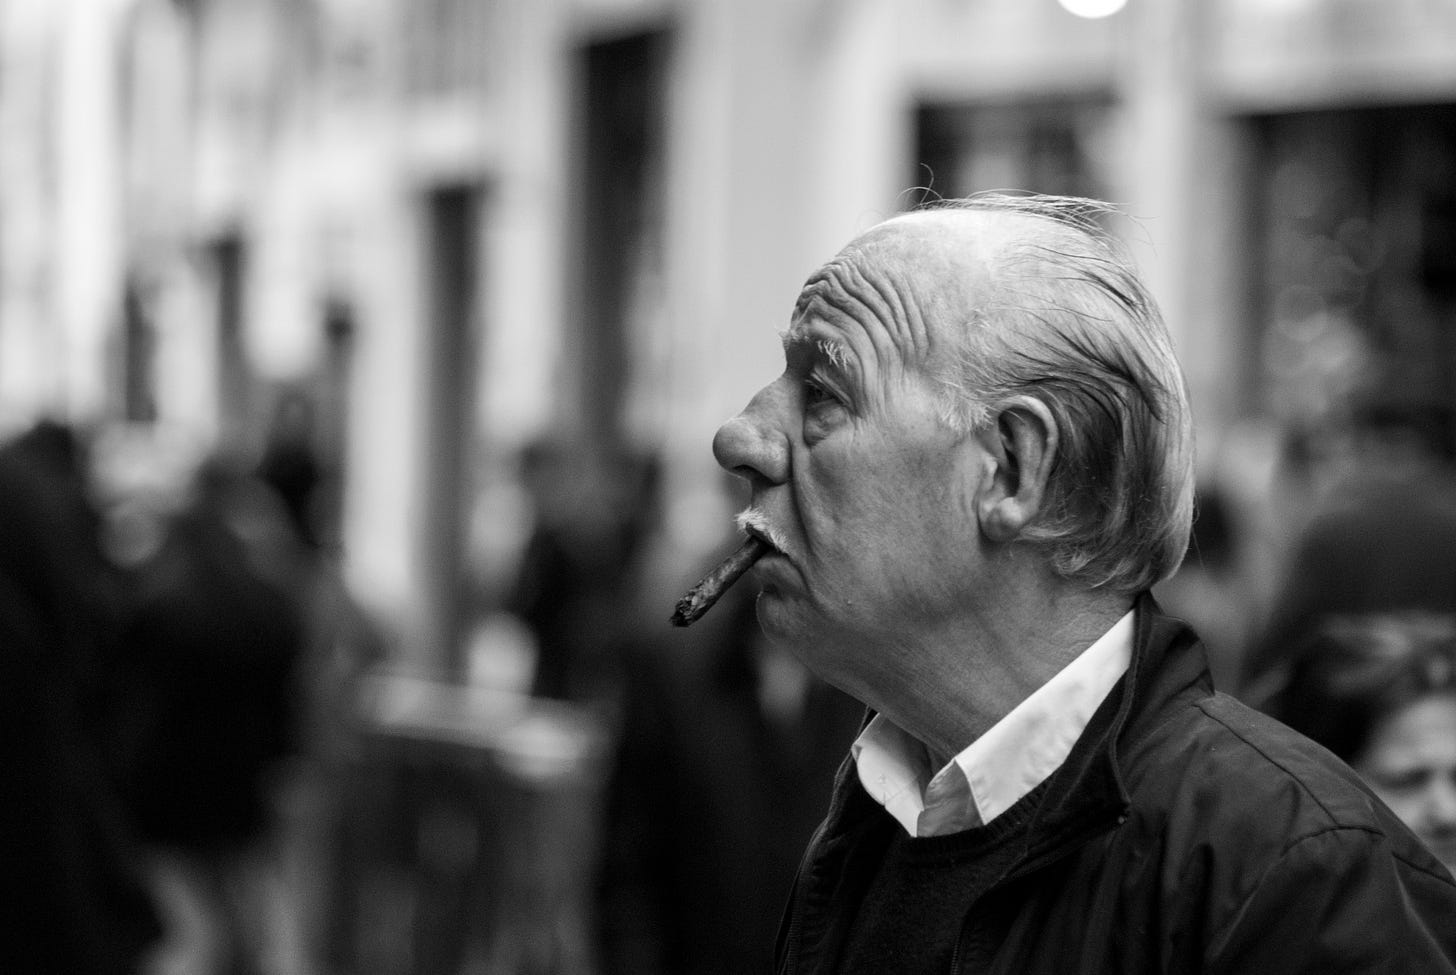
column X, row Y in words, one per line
column 976, row 462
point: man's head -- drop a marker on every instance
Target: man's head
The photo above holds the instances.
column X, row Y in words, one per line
column 972, row 392
column 1068, row 320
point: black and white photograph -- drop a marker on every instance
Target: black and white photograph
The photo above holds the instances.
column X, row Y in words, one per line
column 727, row 487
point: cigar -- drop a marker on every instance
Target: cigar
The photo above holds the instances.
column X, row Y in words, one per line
column 701, row 597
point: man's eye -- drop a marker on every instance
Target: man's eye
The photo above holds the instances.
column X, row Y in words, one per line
column 824, row 410
column 816, row 394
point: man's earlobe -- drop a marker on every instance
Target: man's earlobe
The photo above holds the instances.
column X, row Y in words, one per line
column 1023, row 444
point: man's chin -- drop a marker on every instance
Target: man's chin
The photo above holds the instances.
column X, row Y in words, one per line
column 774, row 612
column 786, row 618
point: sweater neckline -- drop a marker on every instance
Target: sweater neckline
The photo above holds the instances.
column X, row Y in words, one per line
column 978, row 840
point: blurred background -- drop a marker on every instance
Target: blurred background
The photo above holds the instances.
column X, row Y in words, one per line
column 359, row 361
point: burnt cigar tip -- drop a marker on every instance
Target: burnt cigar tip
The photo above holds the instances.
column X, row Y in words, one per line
column 701, row 597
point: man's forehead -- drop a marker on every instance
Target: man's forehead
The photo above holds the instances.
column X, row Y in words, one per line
column 936, row 261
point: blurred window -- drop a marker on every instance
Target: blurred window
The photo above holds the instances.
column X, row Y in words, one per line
column 447, row 46
column 1355, row 262
column 1056, row 145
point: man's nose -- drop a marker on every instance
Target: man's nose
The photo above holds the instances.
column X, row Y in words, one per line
column 753, row 444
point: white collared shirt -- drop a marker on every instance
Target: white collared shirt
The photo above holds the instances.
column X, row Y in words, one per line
column 1011, row 758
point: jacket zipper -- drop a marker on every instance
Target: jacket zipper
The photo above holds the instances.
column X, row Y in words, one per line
column 794, row 909
column 791, row 940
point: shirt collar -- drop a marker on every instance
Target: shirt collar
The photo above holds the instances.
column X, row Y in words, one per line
column 1010, row 759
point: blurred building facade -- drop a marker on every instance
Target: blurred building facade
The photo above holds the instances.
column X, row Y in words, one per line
column 461, row 225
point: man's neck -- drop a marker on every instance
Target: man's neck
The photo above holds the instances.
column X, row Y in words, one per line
column 971, row 678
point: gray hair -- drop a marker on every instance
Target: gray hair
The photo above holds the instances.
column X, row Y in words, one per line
column 1070, row 322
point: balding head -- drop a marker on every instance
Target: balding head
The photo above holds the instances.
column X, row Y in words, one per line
column 1029, row 296
column 946, row 257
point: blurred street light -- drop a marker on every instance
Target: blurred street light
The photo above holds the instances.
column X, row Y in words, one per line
column 1092, row 9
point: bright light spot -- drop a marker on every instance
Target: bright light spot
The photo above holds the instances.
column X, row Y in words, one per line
column 1093, row 9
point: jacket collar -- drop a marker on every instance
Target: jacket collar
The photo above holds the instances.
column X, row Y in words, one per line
column 1086, row 794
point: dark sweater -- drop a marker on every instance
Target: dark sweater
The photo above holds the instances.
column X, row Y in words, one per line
column 915, row 906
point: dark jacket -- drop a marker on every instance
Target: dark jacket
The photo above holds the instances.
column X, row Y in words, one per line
column 1184, row 833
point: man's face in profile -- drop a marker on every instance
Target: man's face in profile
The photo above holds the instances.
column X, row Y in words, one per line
column 854, row 474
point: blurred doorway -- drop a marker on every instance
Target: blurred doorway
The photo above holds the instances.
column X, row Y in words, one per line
column 452, row 216
column 138, row 358
column 621, row 133
column 229, row 257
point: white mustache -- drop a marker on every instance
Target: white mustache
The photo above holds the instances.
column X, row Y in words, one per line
column 753, row 521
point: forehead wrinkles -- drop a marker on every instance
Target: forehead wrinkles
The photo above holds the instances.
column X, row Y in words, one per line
column 843, row 290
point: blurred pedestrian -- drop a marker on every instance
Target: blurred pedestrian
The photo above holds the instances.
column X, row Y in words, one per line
column 291, row 466
column 576, row 585
column 212, row 641
column 1379, row 690
column 727, row 751
column 1379, row 534
column 327, row 806
column 73, row 895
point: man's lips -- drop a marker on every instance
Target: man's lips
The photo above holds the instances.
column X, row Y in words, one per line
column 772, row 548
column 753, row 522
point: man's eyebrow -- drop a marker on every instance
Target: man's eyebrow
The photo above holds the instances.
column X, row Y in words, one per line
column 837, row 353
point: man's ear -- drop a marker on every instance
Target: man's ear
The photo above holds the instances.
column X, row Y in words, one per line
column 1022, row 441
